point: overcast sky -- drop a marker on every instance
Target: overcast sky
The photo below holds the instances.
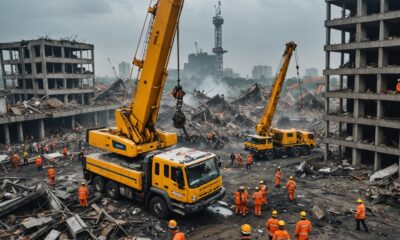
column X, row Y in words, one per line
column 254, row 32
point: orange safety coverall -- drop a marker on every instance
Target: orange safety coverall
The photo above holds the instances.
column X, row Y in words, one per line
column 15, row 161
column 38, row 162
column 278, row 177
column 239, row 159
column 303, row 228
column 281, row 235
column 178, row 235
column 263, row 191
column 244, row 197
column 398, row 87
column 83, row 194
column 360, row 214
column 249, row 159
column 51, row 174
column 258, row 201
column 291, row 186
column 65, row 151
column 272, row 226
column 238, row 202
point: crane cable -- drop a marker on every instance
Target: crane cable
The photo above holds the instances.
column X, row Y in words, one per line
column 179, row 118
column 298, row 78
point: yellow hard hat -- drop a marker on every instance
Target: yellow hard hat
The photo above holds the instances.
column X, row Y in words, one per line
column 279, row 167
column 256, row 188
column 291, row 178
column 303, row 214
column 246, row 229
column 261, row 182
column 274, row 213
column 83, row 183
column 172, row 224
column 281, row 223
column 359, row 200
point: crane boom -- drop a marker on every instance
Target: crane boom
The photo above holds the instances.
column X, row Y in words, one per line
column 135, row 131
column 263, row 127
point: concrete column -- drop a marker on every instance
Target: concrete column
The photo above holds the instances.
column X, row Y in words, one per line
column 44, row 69
column 377, row 161
column 20, row 132
column 106, row 117
column 95, row 119
column 361, row 8
column 83, row 98
column 6, row 131
column 328, row 10
column 356, row 157
column 384, row 6
column 66, row 98
column 41, row 129
column 72, row 122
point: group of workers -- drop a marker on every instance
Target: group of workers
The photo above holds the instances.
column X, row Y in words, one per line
column 238, row 160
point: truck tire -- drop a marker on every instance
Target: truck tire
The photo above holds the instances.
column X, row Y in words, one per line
column 112, row 190
column 158, row 207
column 99, row 184
column 296, row 152
column 306, row 151
column 269, row 155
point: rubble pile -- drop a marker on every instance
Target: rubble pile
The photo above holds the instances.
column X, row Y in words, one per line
column 115, row 93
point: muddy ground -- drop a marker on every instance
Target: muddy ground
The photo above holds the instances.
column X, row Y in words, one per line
column 336, row 195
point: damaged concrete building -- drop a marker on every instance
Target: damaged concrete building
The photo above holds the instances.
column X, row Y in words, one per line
column 362, row 69
column 56, row 73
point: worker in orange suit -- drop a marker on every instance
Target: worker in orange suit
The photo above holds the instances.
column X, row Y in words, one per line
column 16, row 161
column 245, row 231
column 361, row 215
column 39, row 163
column 281, row 233
column 239, row 159
column 272, row 224
column 176, row 234
column 249, row 161
column 291, row 187
column 83, row 195
column 65, row 152
column 51, row 174
column 46, row 149
column 238, row 201
column 278, row 177
column 263, row 191
column 303, row 227
column 398, row 86
column 257, row 201
column 244, row 198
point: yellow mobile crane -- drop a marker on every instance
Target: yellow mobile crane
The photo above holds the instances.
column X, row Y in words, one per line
column 270, row 143
column 182, row 180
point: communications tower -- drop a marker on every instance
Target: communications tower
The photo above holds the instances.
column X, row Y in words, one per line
column 218, row 20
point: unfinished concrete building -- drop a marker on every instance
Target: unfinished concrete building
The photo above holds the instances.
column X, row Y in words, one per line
column 362, row 110
column 58, row 70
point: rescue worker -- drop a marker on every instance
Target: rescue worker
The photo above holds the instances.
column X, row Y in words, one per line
column 238, row 201
column 46, row 149
column 249, row 161
column 65, row 152
column 51, row 174
column 303, row 227
column 80, row 156
column 244, row 199
column 39, row 163
column 291, row 186
column 257, row 201
column 281, row 233
column 83, row 195
column 176, row 234
column 233, row 157
column 361, row 215
column 272, row 224
column 25, row 156
column 263, row 191
column 245, row 231
column 398, row 86
column 16, row 161
column 239, row 159
column 278, row 177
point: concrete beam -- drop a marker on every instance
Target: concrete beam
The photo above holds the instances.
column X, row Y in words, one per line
column 345, row 22
column 364, row 96
column 364, row 121
column 354, row 71
column 346, row 47
column 368, row 147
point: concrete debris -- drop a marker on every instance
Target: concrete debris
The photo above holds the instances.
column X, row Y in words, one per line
column 384, row 173
column 115, row 93
column 53, row 235
column 318, row 212
column 32, row 222
column 77, row 227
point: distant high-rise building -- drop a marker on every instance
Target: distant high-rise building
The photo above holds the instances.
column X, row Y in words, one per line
column 229, row 73
column 311, row 72
column 261, row 72
column 124, row 70
column 200, row 65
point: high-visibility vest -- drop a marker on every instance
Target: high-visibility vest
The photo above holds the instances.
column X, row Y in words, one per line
column 360, row 214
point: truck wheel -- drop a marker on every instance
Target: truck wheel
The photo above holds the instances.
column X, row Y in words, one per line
column 306, row 151
column 112, row 190
column 296, row 152
column 99, row 184
column 269, row 155
column 158, row 207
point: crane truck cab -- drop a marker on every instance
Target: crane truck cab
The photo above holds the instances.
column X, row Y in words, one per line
column 182, row 180
column 293, row 142
column 261, row 146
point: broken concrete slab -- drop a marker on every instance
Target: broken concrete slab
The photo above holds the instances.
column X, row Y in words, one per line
column 386, row 172
column 32, row 222
column 53, row 235
column 318, row 212
column 77, row 227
